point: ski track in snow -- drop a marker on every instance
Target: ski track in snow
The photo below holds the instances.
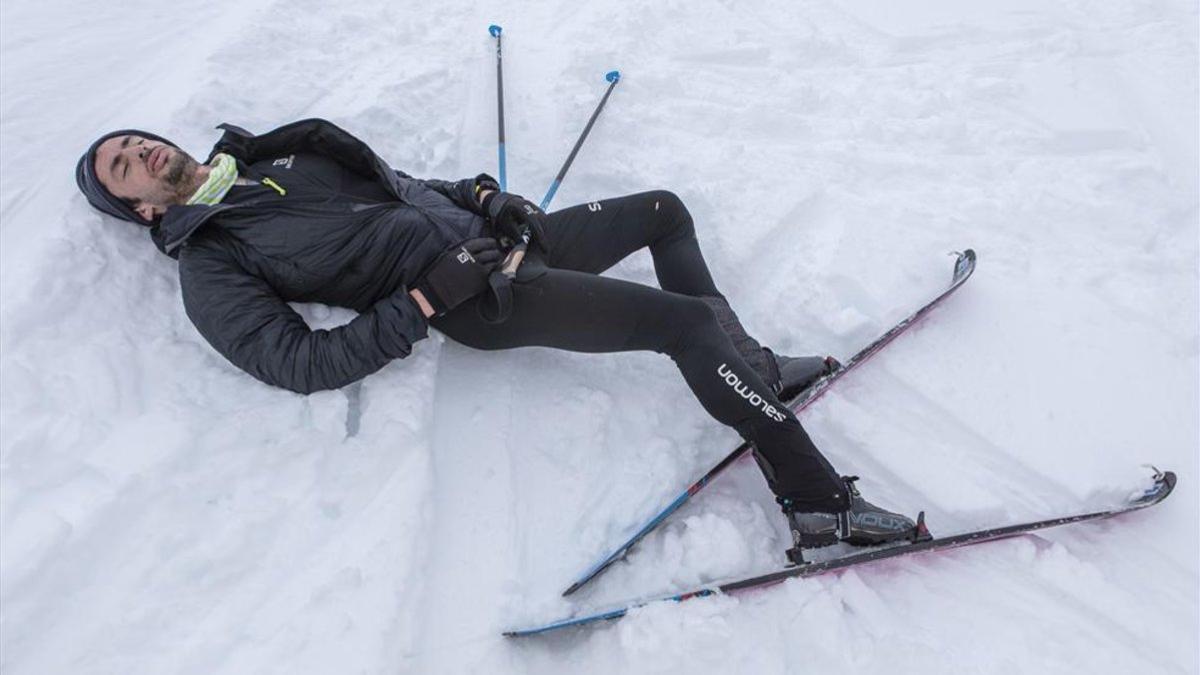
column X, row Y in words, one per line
column 161, row 512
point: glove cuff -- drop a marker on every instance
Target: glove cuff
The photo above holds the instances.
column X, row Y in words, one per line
column 478, row 184
column 485, row 182
column 486, row 204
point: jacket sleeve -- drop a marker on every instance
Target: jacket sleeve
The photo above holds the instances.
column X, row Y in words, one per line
column 461, row 192
column 243, row 318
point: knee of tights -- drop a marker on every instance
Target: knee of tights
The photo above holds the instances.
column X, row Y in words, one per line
column 672, row 214
column 694, row 322
column 696, row 313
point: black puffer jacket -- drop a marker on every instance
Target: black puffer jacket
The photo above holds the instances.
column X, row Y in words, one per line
column 242, row 261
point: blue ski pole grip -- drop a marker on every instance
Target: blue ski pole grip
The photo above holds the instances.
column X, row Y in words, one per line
column 494, row 30
column 611, row 76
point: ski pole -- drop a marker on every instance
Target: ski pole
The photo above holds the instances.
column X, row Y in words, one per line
column 613, row 77
column 495, row 31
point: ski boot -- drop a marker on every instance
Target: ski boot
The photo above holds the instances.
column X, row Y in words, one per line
column 863, row 524
column 797, row 373
column 787, row 376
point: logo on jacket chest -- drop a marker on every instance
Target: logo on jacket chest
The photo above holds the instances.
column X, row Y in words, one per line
column 285, row 162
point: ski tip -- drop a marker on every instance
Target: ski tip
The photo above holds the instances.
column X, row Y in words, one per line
column 967, row 255
column 1164, row 477
column 495, row 30
column 1164, row 485
column 612, row 75
column 572, row 588
column 964, row 264
column 1161, row 476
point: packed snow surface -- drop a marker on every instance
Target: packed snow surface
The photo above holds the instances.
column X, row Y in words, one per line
column 162, row 512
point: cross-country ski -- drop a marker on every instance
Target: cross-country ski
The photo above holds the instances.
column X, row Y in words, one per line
column 1164, row 483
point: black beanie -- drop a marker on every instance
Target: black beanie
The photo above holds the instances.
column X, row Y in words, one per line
column 98, row 195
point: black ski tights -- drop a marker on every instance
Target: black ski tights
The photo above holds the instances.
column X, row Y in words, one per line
column 559, row 300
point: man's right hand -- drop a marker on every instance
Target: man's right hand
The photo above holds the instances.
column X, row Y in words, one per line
column 459, row 273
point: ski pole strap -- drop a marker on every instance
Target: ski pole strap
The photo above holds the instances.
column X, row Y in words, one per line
column 509, row 268
column 495, row 306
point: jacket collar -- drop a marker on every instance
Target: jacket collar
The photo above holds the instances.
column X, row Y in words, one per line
column 311, row 135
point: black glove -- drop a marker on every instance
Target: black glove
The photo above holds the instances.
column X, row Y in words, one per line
column 459, row 273
column 514, row 217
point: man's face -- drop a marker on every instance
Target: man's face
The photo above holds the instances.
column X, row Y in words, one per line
column 151, row 175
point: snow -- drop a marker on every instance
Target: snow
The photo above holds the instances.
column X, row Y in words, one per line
column 162, row 512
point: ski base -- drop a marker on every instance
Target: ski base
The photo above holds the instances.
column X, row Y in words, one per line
column 1164, row 483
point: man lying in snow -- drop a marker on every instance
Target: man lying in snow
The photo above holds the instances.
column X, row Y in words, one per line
column 309, row 213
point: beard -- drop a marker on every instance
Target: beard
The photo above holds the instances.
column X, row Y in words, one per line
column 180, row 179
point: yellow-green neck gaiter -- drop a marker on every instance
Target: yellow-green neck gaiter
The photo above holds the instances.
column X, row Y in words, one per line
column 220, row 179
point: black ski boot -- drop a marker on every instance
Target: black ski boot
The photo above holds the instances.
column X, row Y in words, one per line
column 863, row 524
column 787, row 376
column 797, row 373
